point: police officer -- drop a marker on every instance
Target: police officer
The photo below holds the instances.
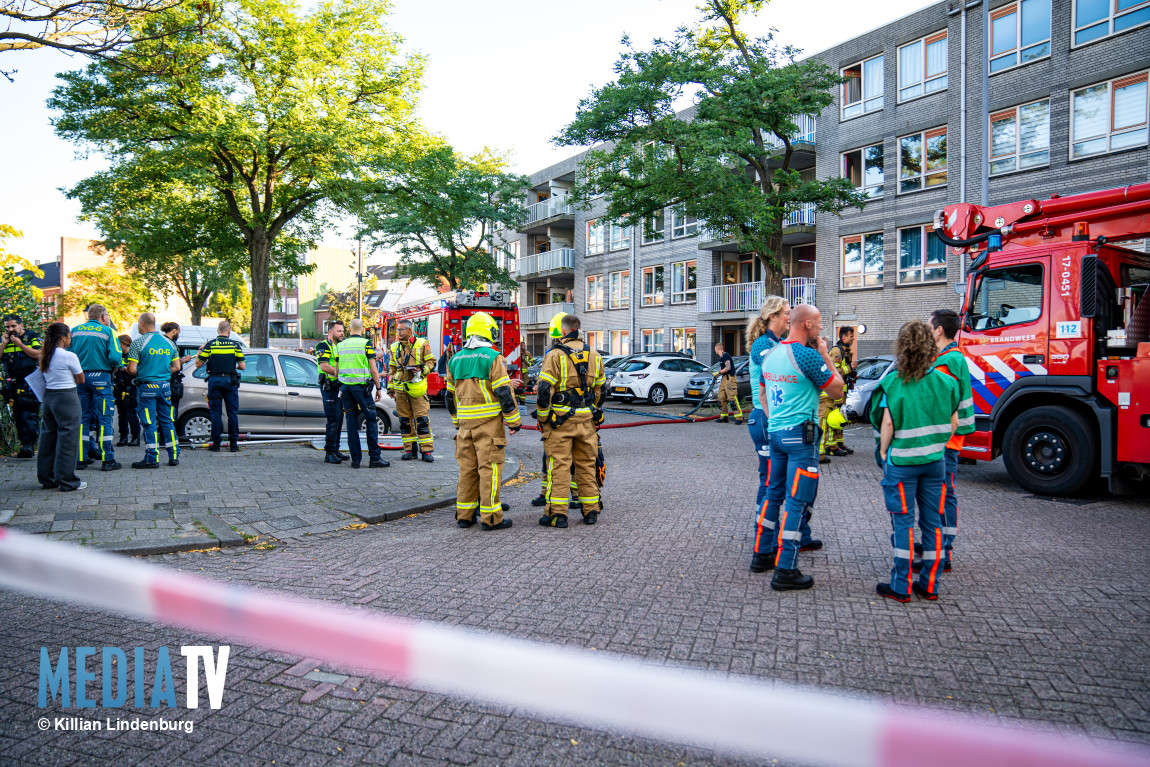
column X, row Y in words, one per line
column 224, row 358
column 728, row 394
column 21, row 354
column 125, row 390
column 408, row 365
column 474, row 374
column 569, row 409
column 329, row 391
column 94, row 342
column 152, row 358
column 794, row 374
column 354, row 367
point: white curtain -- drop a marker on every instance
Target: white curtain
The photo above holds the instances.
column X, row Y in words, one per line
column 936, row 58
column 1090, row 112
column 910, row 63
column 1034, row 133
column 1130, row 105
column 872, row 78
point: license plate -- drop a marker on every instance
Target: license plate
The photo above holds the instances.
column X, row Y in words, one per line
column 694, row 392
column 620, row 389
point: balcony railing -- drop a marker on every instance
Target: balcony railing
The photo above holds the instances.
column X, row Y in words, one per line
column 561, row 258
column 799, row 290
column 807, row 125
column 542, row 314
column 552, row 206
column 804, row 216
column 741, row 297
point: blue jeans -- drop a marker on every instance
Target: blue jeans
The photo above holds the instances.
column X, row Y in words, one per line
column 333, row 412
column 97, row 407
column 757, row 426
column 357, row 401
column 154, row 406
column 793, row 469
column 903, row 487
column 223, row 394
column 950, row 517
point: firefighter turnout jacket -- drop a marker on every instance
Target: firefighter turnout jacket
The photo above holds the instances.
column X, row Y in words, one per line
column 566, row 393
column 404, row 356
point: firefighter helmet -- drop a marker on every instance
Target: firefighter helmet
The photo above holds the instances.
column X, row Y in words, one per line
column 557, row 325
column 416, row 389
column 481, row 324
column 836, row 419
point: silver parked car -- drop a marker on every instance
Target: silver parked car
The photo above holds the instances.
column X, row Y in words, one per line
column 279, row 394
column 868, row 372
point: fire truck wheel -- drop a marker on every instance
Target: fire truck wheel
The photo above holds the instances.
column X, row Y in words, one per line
column 1051, row 450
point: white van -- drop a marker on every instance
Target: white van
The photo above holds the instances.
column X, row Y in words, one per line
column 192, row 337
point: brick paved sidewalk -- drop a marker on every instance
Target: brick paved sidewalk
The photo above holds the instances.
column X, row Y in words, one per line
column 1044, row 619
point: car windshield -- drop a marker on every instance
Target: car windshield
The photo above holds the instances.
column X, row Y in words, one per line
column 634, row 366
column 872, row 369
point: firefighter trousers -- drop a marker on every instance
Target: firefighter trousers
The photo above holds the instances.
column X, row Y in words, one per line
column 480, row 450
column 572, row 444
column 414, row 424
column 831, row 437
column 729, row 397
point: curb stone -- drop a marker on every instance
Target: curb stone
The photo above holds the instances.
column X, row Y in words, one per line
column 225, row 537
column 394, row 511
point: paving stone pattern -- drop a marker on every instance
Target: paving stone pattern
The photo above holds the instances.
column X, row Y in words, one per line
column 1044, row 618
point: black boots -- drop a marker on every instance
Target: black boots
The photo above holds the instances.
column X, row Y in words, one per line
column 110, row 466
column 332, row 458
column 506, row 523
column 540, row 500
column 408, row 455
column 762, row 562
column 791, row 580
column 428, row 458
column 557, row 520
column 884, row 590
column 590, row 517
column 134, row 441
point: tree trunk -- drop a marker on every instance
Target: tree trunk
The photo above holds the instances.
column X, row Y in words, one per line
column 259, row 249
column 196, row 309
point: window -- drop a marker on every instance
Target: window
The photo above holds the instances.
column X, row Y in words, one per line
column 595, row 293
column 682, row 225
column 510, row 255
column 1019, row 34
column 259, row 370
column 595, row 339
column 683, row 340
column 653, row 286
column 922, row 160
column 1009, row 296
column 620, row 341
column 920, row 259
column 1108, row 116
column 653, row 340
column 299, row 372
column 862, row 261
column 290, row 305
column 653, row 228
column 620, row 289
column 1095, row 19
column 863, row 168
column 594, row 237
column 1020, row 137
column 862, row 91
column 620, row 237
column 922, row 67
column 683, row 281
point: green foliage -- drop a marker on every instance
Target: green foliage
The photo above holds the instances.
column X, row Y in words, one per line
column 728, row 161
column 438, row 210
column 121, row 290
column 270, row 112
column 234, row 304
column 342, row 305
column 17, row 296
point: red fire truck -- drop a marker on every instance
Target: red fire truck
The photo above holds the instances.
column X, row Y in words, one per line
column 1056, row 331
column 441, row 321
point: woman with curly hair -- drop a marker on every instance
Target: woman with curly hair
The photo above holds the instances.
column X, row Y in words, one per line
column 916, row 415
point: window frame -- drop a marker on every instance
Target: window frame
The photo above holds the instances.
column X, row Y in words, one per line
column 309, row 367
column 925, row 231
column 682, row 333
column 687, row 295
column 690, row 228
column 624, row 238
column 1112, row 14
column 624, row 338
column 862, row 273
column 596, row 225
column 970, row 321
column 843, row 106
column 661, row 233
column 598, row 304
column 624, row 289
column 1111, row 87
column 650, row 333
column 656, row 298
column 1017, row 154
column 925, row 136
column 1016, row 51
column 925, row 41
column 862, row 162
column 592, row 338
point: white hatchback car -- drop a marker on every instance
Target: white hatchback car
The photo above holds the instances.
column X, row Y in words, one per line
column 655, row 379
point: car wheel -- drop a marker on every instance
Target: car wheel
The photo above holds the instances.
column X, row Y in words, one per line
column 657, row 395
column 195, row 426
column 382, row 422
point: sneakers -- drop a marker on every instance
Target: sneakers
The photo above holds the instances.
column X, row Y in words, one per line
column 590, row 517
column 814, row 545
column 146, row 465
column 506, row 523
column 331, row 458
column 760, row 563
column 558, row 520
column 173, row 461
column 791, row 580
column 428, row 458
column 380, row 464
column 134, row 441
column 884, row 590
column 25, row 452
column 464, row 523
column 110, row 466
column 82, row 486
column 408, row 455
column 923, row 592
column 539, row 500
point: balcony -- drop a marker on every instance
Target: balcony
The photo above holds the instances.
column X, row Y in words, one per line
column 799, row 225
column 802, row 144
column 548, row 212
column 799, row 290
column 737, row 301
column 560, row 260
column 542, row 314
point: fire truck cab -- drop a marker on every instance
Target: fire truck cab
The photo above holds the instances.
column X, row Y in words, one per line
column 1056, row 332
column 441, row 321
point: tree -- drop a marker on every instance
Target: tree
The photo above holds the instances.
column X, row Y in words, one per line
column 342, row 307
column 439, row 211
column 17, row 296
column 119, row 289
column 233, row 304
column 728, row 163
column 272, row 110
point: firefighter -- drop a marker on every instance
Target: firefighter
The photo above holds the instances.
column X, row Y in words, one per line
column 355, row 368
column 728, row 394
column 329, row 390
column 555, row 332
column 408, row 366
column 480, row 401
column 841, row 357
column 125, row 391
column 152, row 358
column 569, row 410
column 21, row 353
column 225, row 359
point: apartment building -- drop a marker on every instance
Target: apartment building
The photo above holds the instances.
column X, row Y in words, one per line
column 1066, row 100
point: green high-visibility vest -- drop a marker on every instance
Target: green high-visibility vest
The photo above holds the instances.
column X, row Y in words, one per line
column 921, row 413
column 351, row 360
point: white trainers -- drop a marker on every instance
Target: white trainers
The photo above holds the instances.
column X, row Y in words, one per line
column 82, row 485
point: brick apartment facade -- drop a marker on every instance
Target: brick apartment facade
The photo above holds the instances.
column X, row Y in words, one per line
column 1067, row 95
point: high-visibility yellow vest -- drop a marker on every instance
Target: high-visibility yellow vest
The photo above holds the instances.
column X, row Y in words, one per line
column 351, row 360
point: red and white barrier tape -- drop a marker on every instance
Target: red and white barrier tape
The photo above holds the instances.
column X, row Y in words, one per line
column 710, row 710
